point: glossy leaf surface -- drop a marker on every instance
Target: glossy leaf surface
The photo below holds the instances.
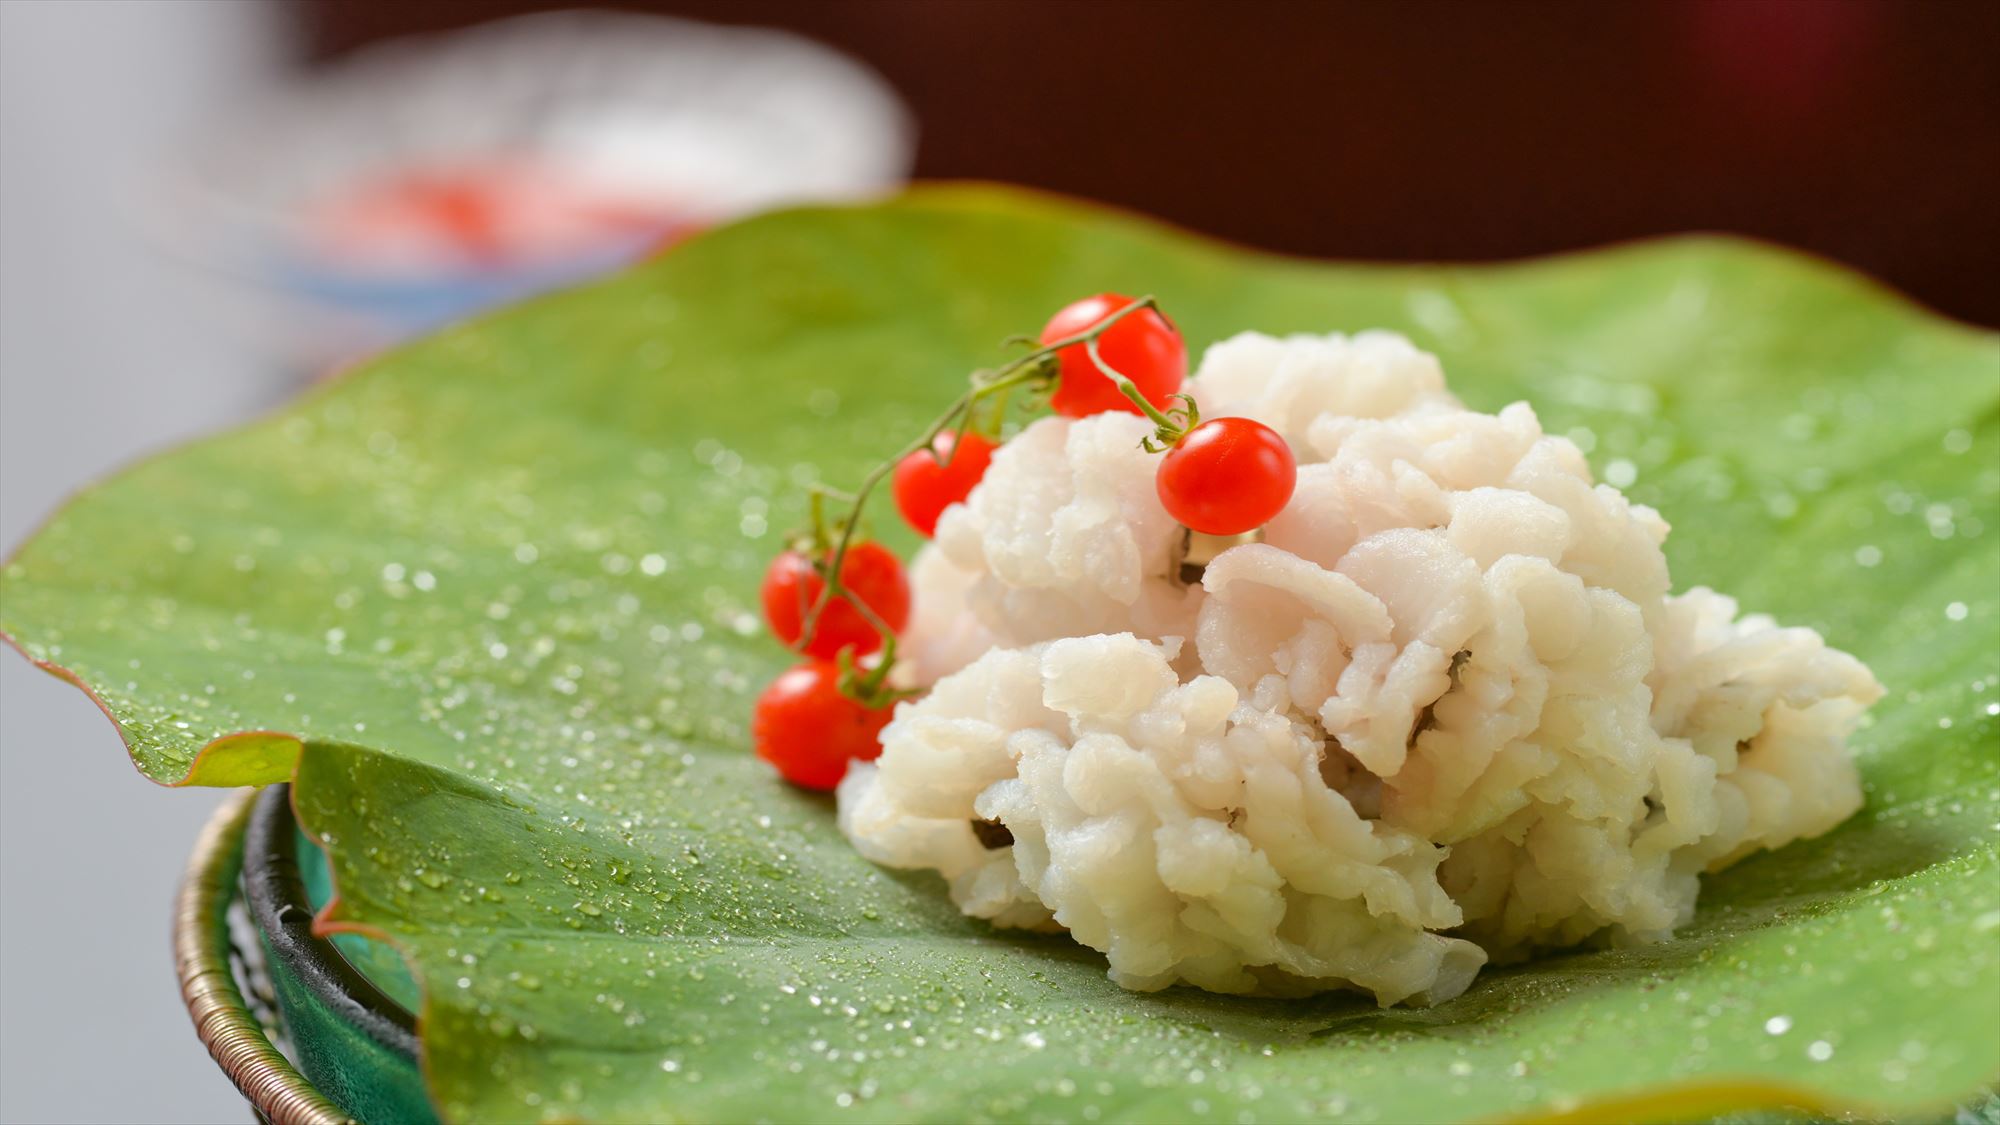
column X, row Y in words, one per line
column 500, row 588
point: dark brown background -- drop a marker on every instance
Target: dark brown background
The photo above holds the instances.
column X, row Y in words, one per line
column 1864, row 130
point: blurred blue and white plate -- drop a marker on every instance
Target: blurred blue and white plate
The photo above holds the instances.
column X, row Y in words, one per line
column 426, row 178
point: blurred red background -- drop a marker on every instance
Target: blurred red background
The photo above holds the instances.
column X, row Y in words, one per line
column 1432, row 129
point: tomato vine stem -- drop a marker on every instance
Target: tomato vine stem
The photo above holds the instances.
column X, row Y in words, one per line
column 1172, row 425
column 1038, row 368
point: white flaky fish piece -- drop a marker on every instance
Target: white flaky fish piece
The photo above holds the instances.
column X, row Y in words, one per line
column 1446, row 712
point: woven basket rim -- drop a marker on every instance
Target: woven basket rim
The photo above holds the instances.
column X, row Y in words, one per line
column 214, row 1000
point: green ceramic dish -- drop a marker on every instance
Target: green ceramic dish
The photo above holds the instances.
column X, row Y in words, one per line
column 346, row 1003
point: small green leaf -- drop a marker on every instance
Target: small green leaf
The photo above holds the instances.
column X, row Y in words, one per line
column 498, row 590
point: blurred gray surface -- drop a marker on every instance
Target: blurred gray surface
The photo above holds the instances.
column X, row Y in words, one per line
column 107, row 352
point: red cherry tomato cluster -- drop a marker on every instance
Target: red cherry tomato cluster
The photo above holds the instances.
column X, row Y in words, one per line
column 840, row 600
column 803, row 723
column 873, row 577
column 1223, row 477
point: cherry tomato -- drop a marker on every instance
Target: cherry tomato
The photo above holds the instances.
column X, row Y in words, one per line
column 1144, row 347
column 806, row 728
column 925, row 485
column 870, row 572
column 1227, row 476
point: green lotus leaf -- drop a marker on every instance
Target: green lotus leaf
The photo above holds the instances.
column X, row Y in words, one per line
column 490, row 599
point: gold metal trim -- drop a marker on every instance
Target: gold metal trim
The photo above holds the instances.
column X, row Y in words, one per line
column 279, row 1093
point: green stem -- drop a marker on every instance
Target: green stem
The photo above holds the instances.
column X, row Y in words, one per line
column 1037, row 365
column 1129, row 389
column 870, row 688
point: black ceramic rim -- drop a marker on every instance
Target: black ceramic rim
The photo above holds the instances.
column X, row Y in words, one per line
column 275, row 893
